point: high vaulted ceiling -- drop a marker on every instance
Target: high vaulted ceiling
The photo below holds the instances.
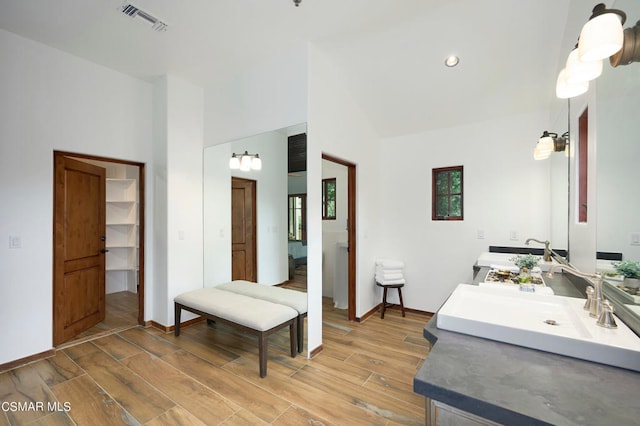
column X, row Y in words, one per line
column 391, row 51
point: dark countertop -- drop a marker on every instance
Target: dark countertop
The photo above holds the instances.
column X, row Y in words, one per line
column 514, row 385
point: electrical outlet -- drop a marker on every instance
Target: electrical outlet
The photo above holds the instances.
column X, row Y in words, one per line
column 635, row 239
column 513, row 235
column 15, row 242
column 481, row 234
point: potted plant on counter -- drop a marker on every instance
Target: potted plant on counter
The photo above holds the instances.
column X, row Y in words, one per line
column 631, row 272
column 528, row 261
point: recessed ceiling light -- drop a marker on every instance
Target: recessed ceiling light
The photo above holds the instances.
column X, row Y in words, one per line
column 451, row 61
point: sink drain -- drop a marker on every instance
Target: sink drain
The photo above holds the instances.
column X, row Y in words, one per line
column 551, row 322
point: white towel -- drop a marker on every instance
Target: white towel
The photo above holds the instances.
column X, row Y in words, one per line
column 385, row 276
column 390, row 263
column 390, row 282
column 388, row 270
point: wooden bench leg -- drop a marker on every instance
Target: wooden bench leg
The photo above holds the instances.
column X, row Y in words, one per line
column 300, row 333
column 262, row 353
column 292, row 337
column 178, row 310
column 384, row 302
column 401, row 302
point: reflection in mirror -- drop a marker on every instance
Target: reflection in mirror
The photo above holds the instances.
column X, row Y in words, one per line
column 559, row 197
column 618, row 171
column 271, row 194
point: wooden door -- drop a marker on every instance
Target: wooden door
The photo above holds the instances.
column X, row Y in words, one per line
column 243, row 230
column 79, row 247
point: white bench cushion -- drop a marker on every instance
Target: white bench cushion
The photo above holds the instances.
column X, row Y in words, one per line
column 248, row 311
column 291, row 298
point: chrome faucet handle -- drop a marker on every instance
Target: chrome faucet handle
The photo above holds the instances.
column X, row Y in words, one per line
column 587, row 305
column 606, row 318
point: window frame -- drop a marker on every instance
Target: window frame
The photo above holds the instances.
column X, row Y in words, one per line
column 325, row 196
column 303, row 208
column 449, row 194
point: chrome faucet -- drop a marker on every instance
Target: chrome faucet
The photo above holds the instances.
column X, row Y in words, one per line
column 596, row 305
column 547, row 251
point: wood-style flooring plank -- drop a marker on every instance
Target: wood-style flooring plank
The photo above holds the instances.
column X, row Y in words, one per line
column 150, row 343
column 202, row 402
column 90, row 404
column 24, row 386
column 57, row 418
column 367, row 399
column 244, row 418
column 265, row 405
column 130, row 391
column 324, row 404
column 295, row 416
column 401, row 390
column 117, row 347
column 57, row 369
column 176, row 416
column 192, row 343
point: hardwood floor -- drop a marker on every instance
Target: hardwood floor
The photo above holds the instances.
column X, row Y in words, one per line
column 209, row 375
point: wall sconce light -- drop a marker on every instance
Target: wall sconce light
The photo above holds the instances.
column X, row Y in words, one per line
column 245, row 162
column 601, row 37
column 550, row 142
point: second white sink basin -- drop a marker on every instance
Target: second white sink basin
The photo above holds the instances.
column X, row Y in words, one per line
column 554, row 324
column 502, row 259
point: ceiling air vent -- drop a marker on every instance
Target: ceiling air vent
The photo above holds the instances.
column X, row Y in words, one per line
column 132, row 11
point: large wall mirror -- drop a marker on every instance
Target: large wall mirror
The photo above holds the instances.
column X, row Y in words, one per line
column 278, row 259
column 618, row 168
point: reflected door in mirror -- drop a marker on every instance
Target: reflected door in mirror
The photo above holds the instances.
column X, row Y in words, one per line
column 243, row 230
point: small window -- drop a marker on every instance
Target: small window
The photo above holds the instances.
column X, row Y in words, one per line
column 329, row 199
column 297, row 217
column 447, row 195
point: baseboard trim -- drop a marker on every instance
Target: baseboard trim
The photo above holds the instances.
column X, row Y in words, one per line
column 316, row 351
column 369, row 313
column 395, row 307
column 27, row 360
column 169, row 329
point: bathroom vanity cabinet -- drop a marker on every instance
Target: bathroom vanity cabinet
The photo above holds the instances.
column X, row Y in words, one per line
column 473, row 381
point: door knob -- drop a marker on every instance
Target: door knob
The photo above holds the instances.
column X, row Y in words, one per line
column 104, row 251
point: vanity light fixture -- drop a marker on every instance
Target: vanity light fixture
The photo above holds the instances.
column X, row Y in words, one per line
column 245, row 162
column 297, row 2
column 550, row 142
column 601, row 37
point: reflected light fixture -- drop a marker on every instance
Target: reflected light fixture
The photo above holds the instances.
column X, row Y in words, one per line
column 245, row 162
column 550, row 142
column 565, row 90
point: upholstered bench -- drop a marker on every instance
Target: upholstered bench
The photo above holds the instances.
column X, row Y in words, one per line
column 282, row 296
column 246, row 313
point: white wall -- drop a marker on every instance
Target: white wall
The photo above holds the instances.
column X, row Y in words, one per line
column 54, row 101
column 270, row 95
column 185, row 129
column 337, row 126
column 505, row 190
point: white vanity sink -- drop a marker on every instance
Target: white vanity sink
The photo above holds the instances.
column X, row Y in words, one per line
column 502, row 259
column 526, row 319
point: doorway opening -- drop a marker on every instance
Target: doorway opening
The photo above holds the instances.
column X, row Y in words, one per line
column 98, row 246
column 339, row 251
